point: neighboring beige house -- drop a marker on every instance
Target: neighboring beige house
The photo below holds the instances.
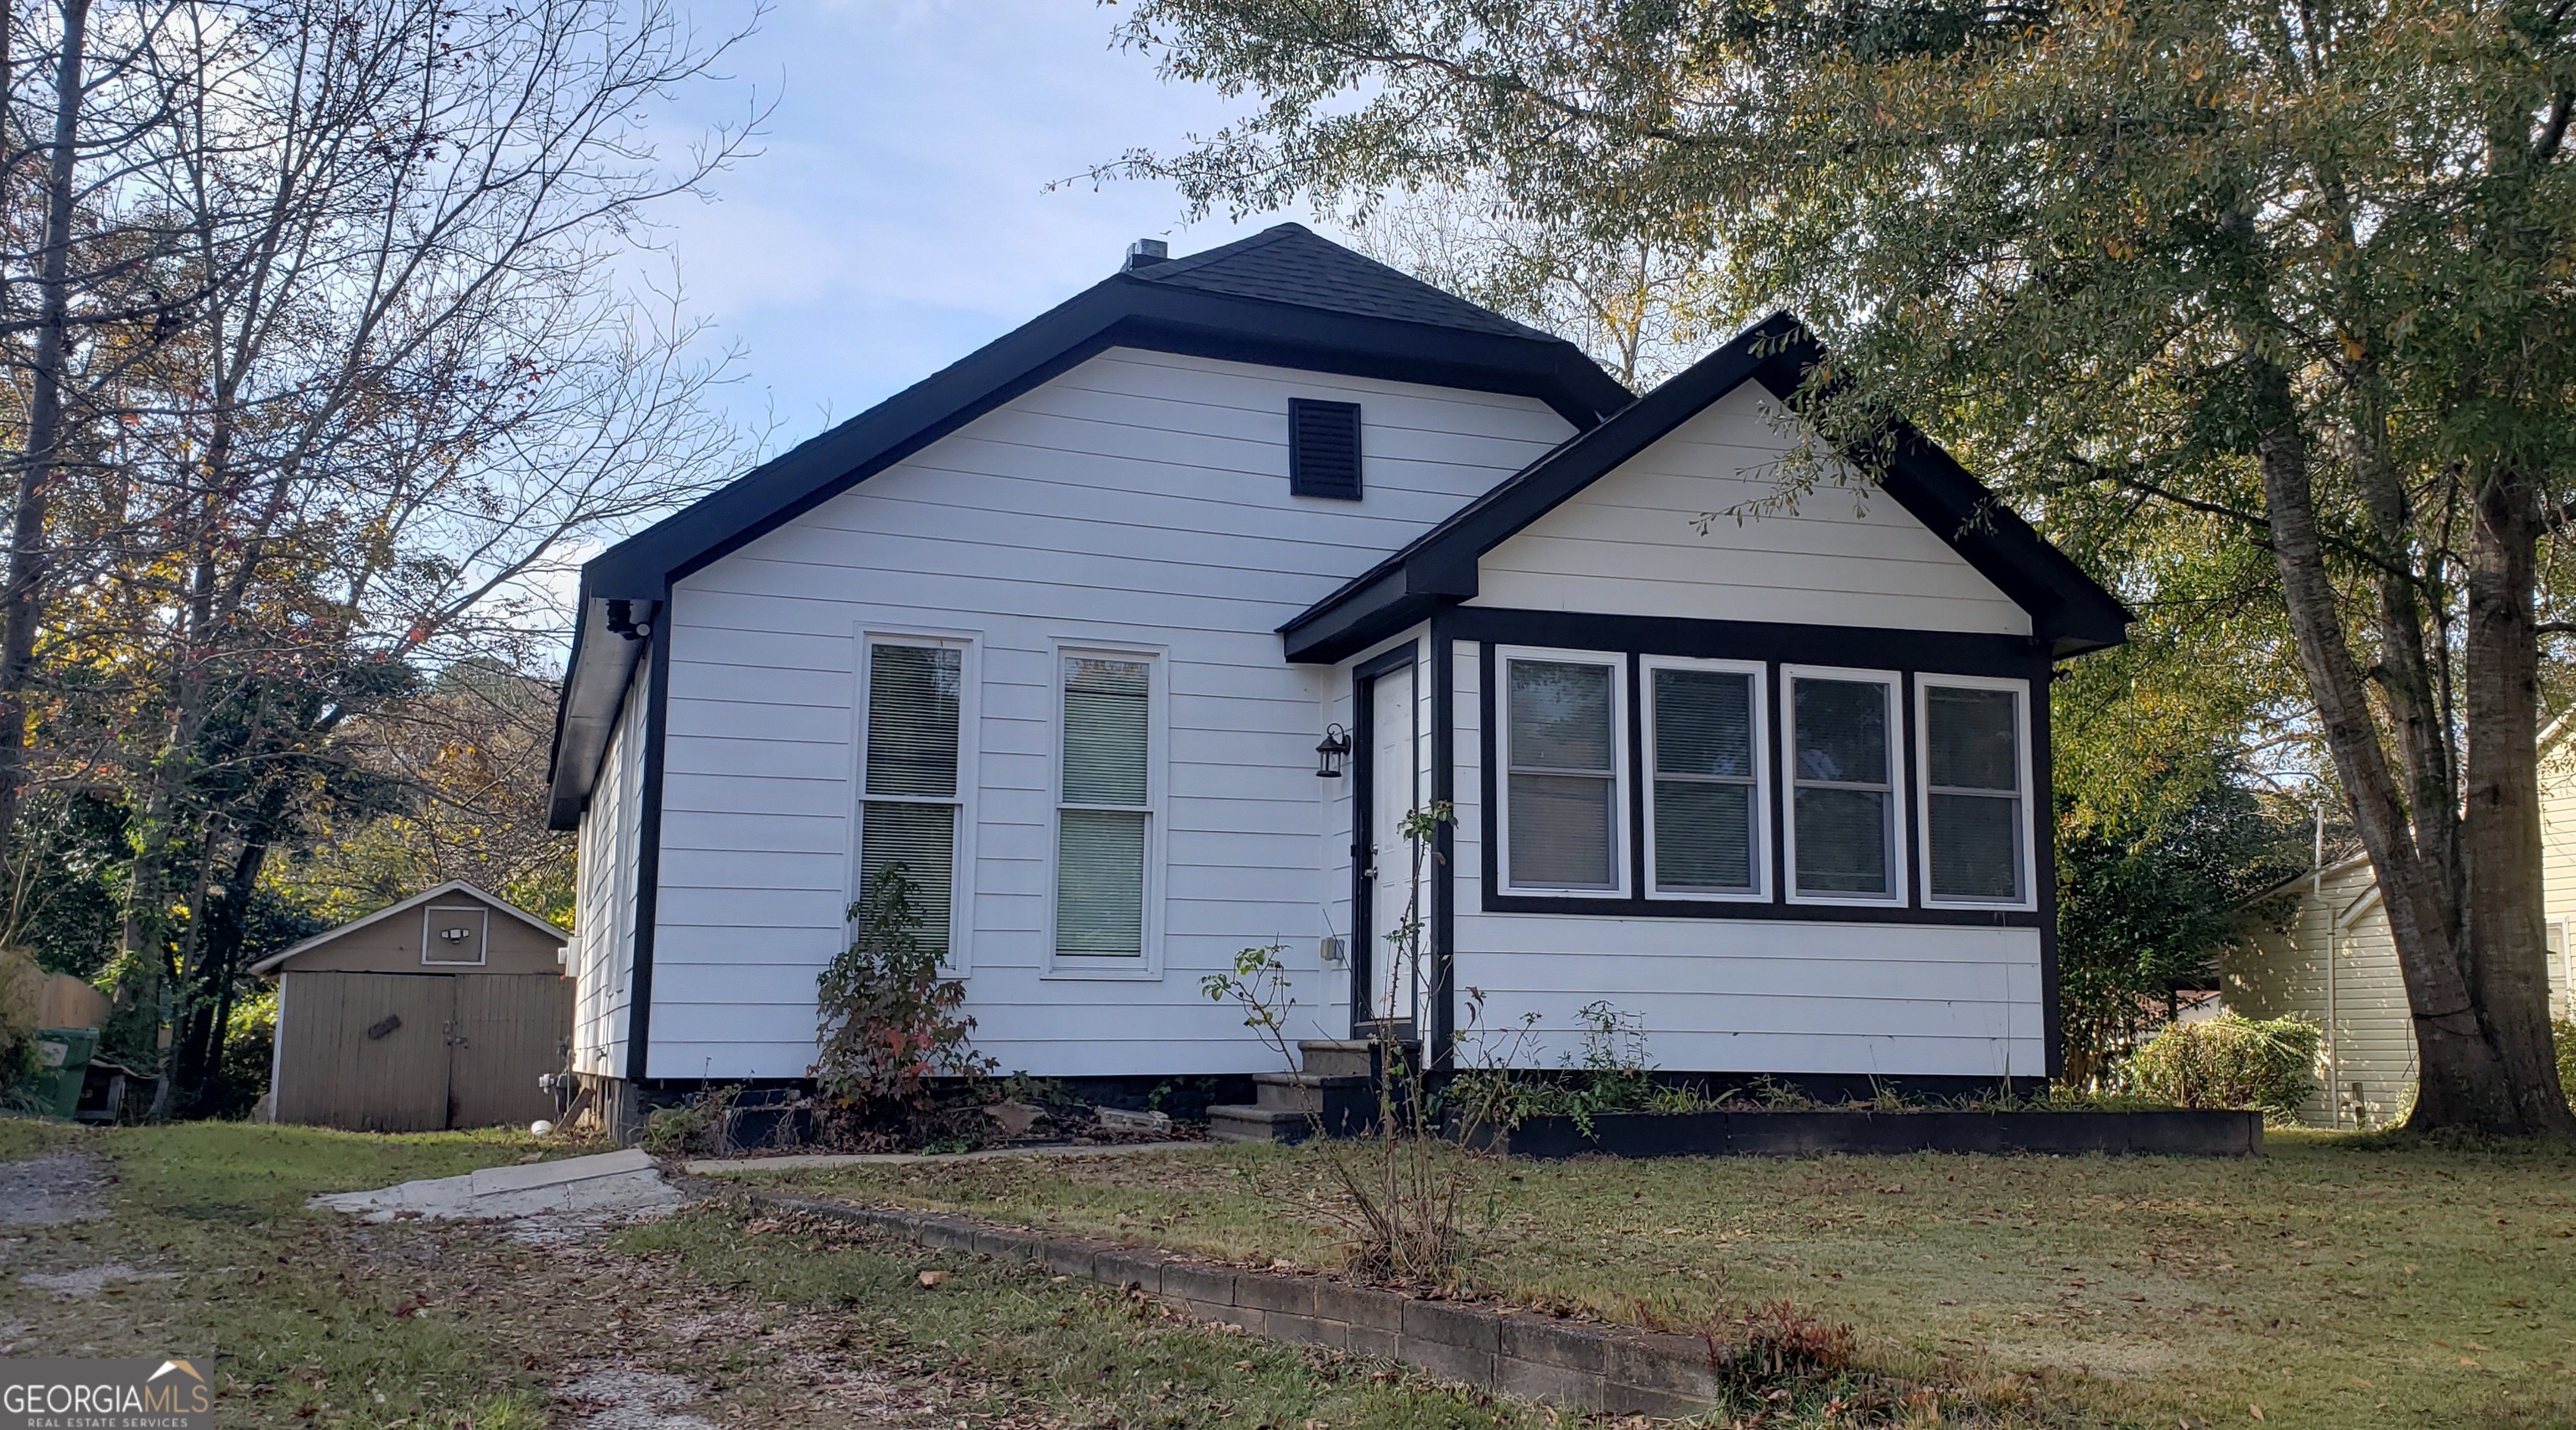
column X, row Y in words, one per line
column 2336, row 967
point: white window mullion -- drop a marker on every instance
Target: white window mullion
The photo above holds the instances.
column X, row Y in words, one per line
column 1563, row 750
column 911, row 795
column 1105, row 809
column 1708, row 802
column 1975, row 811
column 1841, row 756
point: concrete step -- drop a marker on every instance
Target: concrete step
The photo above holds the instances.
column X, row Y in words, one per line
column 1337, row 1057
column 1237, row 1123
column 1302, row 1092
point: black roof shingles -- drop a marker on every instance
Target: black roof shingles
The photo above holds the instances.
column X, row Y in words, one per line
column 1291, row 263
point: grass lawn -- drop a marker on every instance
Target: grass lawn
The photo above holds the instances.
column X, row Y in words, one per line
column 311, row 1319
column 2336, row 1282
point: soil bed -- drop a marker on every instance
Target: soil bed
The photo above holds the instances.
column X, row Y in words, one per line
column 1878, row 1134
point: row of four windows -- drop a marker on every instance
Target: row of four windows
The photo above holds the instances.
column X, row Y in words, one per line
column 1708, row 770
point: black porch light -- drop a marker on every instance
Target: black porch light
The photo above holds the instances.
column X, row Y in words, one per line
column 1330, row 754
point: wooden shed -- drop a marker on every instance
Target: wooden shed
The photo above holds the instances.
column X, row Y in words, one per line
column 441, row 1011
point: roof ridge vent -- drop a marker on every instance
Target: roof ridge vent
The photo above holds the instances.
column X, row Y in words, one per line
column 1146, row 252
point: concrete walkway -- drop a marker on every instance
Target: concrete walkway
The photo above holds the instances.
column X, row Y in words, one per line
column 816, row 1162
column 612, row 1182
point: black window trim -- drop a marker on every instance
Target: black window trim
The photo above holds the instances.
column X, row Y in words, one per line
column 1773, row 644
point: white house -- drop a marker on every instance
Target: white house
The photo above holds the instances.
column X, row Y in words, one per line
column 1063, row 627
column 2332, row 962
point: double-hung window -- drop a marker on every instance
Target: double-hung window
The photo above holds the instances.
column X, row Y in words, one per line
column 909, row 811
column 1564, row 756
column 1704, row 755
column 1841, row 751
column 1976, row 771
column 1104, row 810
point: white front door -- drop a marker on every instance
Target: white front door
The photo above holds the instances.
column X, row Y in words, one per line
column 1395, row 893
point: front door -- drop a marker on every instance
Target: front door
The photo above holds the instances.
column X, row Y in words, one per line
column 1396, row 889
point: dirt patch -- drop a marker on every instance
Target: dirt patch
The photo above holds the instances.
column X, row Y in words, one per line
column 632, row 1400
column 52, row 1191
column 90, row 1280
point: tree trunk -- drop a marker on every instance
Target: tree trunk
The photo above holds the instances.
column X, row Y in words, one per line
column 2507, row 951
column 22, row 594
column 2461, row 1079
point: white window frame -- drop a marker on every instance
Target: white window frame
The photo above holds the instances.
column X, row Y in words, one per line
column 1760, row 672
column 1115, row 968
column 2026, row 836
column 1617, row 663
column 1894, row 682
column 429, row 922
column 961, row 893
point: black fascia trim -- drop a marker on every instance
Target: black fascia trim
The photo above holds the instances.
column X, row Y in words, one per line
column 648, row 855
column 1441, row 1056
column 1909, row 653
column 2068, row 609
column 597, row 676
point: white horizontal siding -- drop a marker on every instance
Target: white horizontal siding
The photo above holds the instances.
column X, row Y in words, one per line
column 1140, row 498
column 1741, row 995
column 1630, row 544
column 603, row 943
column 2558, row 869
column 2369, row 1032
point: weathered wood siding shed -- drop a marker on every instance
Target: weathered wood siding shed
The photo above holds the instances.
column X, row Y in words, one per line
column 441, row 1011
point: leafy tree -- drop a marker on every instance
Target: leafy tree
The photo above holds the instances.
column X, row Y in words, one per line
column 2300, row 268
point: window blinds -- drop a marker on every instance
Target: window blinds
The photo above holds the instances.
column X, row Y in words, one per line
column 1973, row 740
column 910, row 814
column 1563, row 782
column 1842, row 804
column 1704, row 780
column 1101, row 824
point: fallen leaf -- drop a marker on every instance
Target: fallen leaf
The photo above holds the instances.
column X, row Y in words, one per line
column 2257, row 1409
column 933, row 1278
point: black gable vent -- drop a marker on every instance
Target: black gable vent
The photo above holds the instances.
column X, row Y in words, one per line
column 1323, row 449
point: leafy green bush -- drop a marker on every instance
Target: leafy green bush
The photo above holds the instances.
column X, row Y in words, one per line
column 2564, row 1034
column 2231, row 1061
column 890, row 1023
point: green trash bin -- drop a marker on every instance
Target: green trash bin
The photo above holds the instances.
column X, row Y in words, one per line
column 65, row 1055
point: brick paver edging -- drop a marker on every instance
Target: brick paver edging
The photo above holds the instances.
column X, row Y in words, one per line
column 1536, row 1357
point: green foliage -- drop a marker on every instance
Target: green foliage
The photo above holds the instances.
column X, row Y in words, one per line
column 2563, row 1034
column 1610, row 1074
column 890, row 1022
column 693, row 1127
column 2231, row 1061
column 2149, row 886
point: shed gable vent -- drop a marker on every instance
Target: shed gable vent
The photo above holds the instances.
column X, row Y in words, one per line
column 1324, row 449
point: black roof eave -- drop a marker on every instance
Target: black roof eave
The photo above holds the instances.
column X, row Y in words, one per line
column 596, row 678
column 2069, row 611
column 1120, row 311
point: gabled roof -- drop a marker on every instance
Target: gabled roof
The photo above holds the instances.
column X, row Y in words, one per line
column 451, row 887
column 1284, row 297
column 2068, row 609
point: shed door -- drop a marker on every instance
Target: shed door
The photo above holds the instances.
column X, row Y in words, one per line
column 365, row 1051
column 510, row 1029
column 1395, row 789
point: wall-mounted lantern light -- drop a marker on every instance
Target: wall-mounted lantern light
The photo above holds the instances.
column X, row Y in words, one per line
column 1330, row 754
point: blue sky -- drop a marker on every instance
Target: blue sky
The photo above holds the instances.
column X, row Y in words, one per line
column 898, row 215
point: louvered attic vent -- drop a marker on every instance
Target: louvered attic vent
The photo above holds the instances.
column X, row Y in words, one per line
column 1324, row 449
